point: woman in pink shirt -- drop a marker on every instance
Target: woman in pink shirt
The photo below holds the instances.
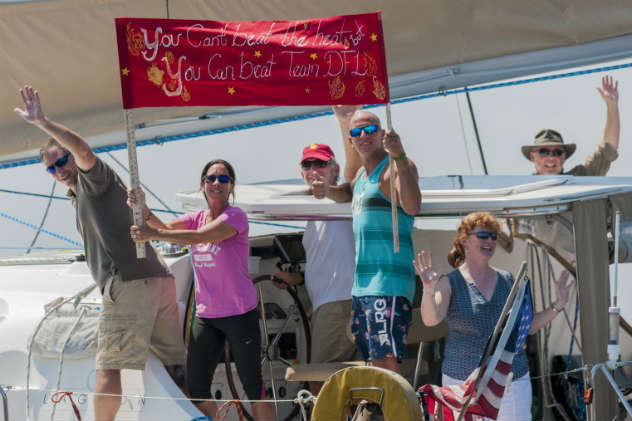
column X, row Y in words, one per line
column 226, row 301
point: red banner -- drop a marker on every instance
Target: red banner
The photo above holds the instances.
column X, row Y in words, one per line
column 170, row 62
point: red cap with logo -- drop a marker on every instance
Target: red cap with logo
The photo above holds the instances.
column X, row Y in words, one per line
column 317, row 151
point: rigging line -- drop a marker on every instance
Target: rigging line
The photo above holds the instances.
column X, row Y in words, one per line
column 467, row 150
column 173, row 212
column 143, row 185
column 159, row 139
column 38, row 248
column 478, row 138
column 272, row 224
column 167, row 7
column 37, row 233
column 46, row 196
column 22, row 193
column 52, row 234
column 19, row 388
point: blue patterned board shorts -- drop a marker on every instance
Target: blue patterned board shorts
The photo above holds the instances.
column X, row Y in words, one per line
column 379, row 326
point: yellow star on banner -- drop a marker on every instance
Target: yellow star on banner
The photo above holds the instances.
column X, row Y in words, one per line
column 373, row 37
column 313, row 56
column 231, row 90
column 125, row 71
column 257, row 53
column 307, row 90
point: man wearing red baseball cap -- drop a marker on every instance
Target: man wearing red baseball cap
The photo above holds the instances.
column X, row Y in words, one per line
column 329, row 269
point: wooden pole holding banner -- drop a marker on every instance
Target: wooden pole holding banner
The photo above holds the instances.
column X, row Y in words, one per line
column 133, row 177
column 391, row 174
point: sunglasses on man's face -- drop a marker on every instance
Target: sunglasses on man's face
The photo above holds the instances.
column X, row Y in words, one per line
column 554, row 152
column 484, row 235
column 315, row 163
column 58, row 164
column 371, row 128
column 222, row 178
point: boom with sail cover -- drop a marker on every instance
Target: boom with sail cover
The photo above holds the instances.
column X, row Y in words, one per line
column 67, row 48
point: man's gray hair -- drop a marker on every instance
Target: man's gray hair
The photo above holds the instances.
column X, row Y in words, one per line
column 51, row 144
column 333, row 161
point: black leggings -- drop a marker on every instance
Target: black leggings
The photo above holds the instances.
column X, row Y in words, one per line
column 206, row 349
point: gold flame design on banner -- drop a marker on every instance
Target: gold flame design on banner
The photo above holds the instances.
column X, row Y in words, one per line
column 155, row 75
column 336, row 88
column 370, row 64
column 360, row 88
column 135, row 40
column 378, row 89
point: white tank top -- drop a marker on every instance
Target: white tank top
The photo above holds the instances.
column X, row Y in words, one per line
column 330, row 255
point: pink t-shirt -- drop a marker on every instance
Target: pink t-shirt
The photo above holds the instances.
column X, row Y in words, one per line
column 222, row 284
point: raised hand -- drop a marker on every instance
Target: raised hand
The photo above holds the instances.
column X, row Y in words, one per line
column 142, row 233
column 320, row 186
column 393, row 144
column 32, row 112
column 609, row 90
column 425, row 269
column 345, row 112
column 562, row 289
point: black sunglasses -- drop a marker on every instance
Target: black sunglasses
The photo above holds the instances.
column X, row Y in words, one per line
column 484, row 235
column 223, row 178
column 371, row 128
column 554, row 152
column 59, row 163
column 316, row 163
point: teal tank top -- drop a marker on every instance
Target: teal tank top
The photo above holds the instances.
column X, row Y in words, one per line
column 380, row 271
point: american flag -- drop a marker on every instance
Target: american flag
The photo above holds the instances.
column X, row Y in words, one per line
column 483, row 390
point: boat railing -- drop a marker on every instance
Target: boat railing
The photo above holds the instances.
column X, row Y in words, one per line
column 5, row 404
column 605, row 368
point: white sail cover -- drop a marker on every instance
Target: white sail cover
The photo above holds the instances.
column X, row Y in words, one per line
column 67, row 50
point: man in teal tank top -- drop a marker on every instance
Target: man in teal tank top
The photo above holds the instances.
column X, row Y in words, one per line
column 384, row 282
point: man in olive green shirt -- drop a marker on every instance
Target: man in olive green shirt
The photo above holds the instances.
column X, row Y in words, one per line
column 138, row 309
column 549, row 152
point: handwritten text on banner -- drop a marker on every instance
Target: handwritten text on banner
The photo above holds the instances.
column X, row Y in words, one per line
column 169, row 62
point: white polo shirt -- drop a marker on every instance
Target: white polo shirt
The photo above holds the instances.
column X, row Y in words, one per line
column 330, row 255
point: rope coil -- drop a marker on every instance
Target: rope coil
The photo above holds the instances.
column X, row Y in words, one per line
column 60, row 395
column 303, row 399
column 235, row 403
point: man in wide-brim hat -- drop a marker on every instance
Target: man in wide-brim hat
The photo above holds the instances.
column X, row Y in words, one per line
column 548, row 151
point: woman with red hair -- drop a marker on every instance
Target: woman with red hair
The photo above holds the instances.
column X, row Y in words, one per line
column 470, row 300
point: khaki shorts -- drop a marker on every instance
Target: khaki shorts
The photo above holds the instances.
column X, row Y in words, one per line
column 331, row 333
column 136, row 316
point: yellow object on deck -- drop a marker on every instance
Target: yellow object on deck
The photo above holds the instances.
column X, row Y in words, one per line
column 351, row 385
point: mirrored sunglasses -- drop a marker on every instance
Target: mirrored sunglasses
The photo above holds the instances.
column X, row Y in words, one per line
column 484, row 235
column 58, row 164
column 316, row 163
column 222, row 178
column 371, row 128
column 554, row 152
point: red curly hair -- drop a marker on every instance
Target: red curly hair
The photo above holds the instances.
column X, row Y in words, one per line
column 485, row 219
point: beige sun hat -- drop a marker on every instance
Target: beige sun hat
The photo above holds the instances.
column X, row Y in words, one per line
column 548, row 137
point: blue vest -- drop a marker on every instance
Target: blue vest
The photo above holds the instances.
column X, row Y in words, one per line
column 379, row 271
column 471, row 320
